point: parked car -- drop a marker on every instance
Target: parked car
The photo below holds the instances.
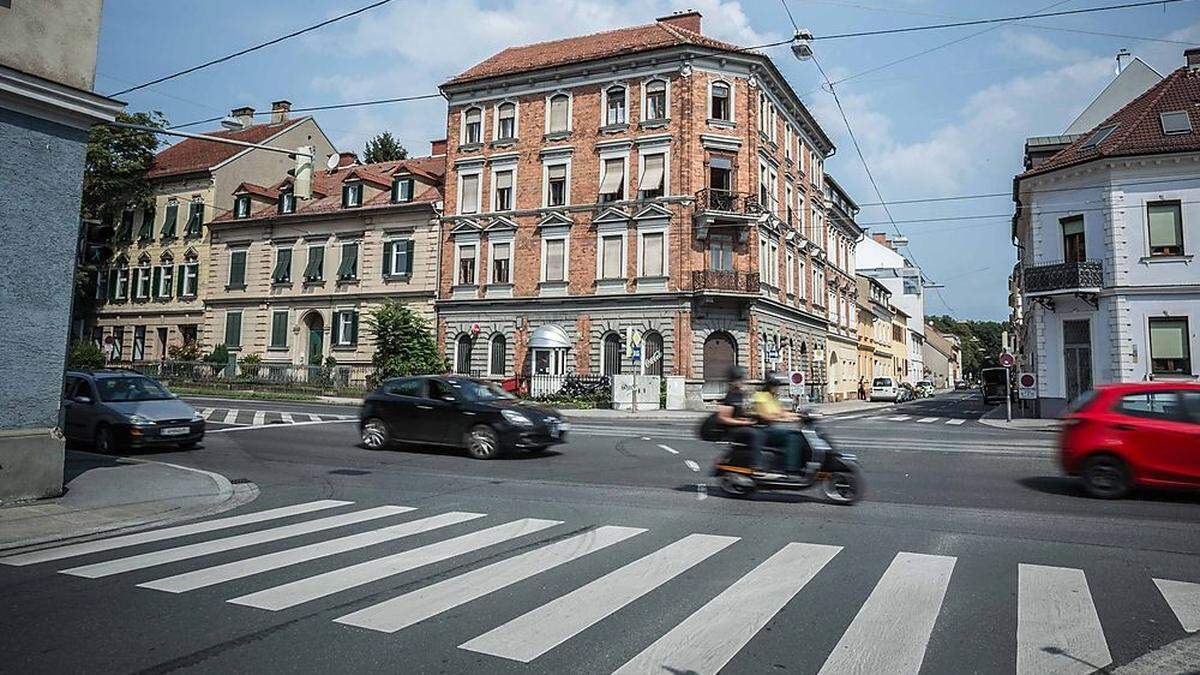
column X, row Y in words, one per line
column 924, row 389
column 1120, row 436
column 885, row 389
column 907, row 392
column 118, row 409
column 457, row 412
column 962, row 384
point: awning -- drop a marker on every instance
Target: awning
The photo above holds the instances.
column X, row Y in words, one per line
column 614, row 177
column 652, row 178
column 550, row 337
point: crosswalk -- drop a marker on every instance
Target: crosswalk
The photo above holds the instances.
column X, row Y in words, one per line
column 951, row 421
column 1058, row 629
column 239, row 417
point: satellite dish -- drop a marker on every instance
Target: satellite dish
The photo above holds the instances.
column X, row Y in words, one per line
column 332, row 162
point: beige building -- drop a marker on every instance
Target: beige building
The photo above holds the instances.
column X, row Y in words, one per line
column 838, row 259
column 875, row 355
column 295, row 281
column 152, row 294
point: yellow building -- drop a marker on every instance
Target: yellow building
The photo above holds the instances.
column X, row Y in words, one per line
column 875, row 318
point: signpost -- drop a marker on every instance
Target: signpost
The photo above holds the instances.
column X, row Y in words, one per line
column 1026, row 386
column 634, row 336
column 1008, row 361
column 796, row 379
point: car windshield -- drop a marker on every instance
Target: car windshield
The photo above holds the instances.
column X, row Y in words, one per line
column 881, row 382
column 473, row 390
column 117, row 389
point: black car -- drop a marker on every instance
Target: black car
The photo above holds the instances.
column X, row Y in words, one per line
column 117, row 409
column 457, row 412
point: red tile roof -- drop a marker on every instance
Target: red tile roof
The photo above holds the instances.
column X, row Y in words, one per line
column 1139, row 128
column 193, row 154
column 649, row 37
column 251, row 188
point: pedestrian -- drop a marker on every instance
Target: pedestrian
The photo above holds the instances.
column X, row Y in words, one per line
column 862, row 389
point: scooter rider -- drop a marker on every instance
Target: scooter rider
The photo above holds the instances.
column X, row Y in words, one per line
column 781, row 431
column 740, row 425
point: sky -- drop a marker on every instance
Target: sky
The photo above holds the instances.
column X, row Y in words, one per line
column 945, row 123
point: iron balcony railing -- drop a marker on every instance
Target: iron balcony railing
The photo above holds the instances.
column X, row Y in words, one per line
column 725, row 280
column 727, row 201
column 1063, row 276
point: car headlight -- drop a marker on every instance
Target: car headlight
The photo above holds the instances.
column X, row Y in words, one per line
column 516, row 419
column 139, row 419
column 196, row 416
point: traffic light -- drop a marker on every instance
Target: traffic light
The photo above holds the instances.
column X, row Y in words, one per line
column 97, row 242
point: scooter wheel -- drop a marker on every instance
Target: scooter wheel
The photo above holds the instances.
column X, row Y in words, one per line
column 843, row 487
column 736, row 485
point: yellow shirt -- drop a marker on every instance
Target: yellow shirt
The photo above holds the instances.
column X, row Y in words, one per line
column 766, row 405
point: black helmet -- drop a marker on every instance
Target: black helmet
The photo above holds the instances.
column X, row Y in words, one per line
column 736, row 373
column 774, row 379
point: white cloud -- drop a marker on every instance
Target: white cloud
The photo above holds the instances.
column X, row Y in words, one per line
column 1034, row 46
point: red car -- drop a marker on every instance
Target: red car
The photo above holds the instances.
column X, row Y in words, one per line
column 1123, row 435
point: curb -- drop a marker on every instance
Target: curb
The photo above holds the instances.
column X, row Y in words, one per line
column 990, row 419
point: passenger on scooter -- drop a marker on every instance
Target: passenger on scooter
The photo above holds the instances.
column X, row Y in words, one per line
column 781, row 431
column 739, row 424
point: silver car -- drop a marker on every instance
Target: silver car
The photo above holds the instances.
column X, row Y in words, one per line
column 117, row 409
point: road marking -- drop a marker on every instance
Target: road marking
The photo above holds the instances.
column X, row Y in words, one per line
column 955, row 422
column 900, row 418
column 709, row 638
column 247, row 427
column 1184, row 599
column 206, row 413
column 84, row 548
column 239, row 569
column 231, row 416
column 260, row 418
column 529, row 636
column 314, row 418
column 1058, row 630
column 892, row 628
column 847, row 417
column 321, row 585
column 203, row 548
column 286, row 417
column 669, row 449
column 403, row 611
column 928, row 420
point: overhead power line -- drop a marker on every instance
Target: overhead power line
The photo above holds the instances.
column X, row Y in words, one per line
column 331, row 106
column 983, row 195
column 256, row 47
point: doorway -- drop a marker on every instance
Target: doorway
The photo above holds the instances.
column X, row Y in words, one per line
column 316, row 338
column 720, row 353
column 1077, row 357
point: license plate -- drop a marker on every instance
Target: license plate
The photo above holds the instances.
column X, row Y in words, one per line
column 176, row 431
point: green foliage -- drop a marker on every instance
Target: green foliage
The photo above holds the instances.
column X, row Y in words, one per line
column 114, row 175
column 404, row 344
column 980, row 341
column 218, row 359
column 251, row 359
column 188, row 351
column 85, row 355
column 383, row 148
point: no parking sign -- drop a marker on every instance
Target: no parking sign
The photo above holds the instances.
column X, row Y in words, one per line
column 796, row 380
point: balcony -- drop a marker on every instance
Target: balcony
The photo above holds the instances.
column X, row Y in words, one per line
column 1064, row 278
column 725, row 281
column 717, row 208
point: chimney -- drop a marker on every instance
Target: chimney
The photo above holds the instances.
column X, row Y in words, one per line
column 881, row 238
column 280, row 110
column 1192, row 57
column 437, row 147
column 244, row 115
column 346, row 159
column 687, row 19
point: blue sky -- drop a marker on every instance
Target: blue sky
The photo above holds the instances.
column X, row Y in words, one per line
column 950, row 122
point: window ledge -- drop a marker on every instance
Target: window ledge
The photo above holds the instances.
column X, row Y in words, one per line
column 470, row 147
column 503, row 142
column 235, row 287
column 397, row 277
column 724, row 124
column 556, row 136
column 654, row 124
column 314, row 282
column 614, row 128
column 344, row 348
column 277, row 283
column 284, row 348
column 350, row 281
column 552, row 288
column 1155, row 259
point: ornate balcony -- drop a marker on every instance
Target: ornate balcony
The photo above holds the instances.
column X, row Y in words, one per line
column 725, row 281
column 1081, row 279
column 716, row 208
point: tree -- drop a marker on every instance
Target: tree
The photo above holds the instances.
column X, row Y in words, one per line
column 383, row 148
column 980, row 340
column 114, row 175
column 85, row 355
column 403, row 343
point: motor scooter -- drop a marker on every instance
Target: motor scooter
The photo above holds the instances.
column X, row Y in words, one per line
column 839, row 476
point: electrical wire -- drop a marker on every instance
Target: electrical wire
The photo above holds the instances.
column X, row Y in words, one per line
column 256, row 47
column 1009, row 216
column 984, row 195
column 331, row 106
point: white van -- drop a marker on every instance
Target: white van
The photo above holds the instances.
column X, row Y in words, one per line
column 884, row 389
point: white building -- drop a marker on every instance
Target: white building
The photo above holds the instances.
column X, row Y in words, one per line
column 1107, row 231
column 876, row 256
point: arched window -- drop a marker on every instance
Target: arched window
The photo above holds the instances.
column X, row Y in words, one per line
column 610, row 355
column 614, row 106
column 498, row 355
column 506, row 121
column 720, row 103
column 560, row 113
column 656, row 100
column 652, row 353
column 472, row 126
column 462, row 354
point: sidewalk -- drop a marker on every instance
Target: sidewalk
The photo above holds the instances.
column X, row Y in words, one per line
column 105, row 493
column 995, row 418
column 837, row 408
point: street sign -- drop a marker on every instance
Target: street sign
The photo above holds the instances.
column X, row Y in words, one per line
column 1026, row 386
column 636, row 353
column 796, row 379
column 1007, row 360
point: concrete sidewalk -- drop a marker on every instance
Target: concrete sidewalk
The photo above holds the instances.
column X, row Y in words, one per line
column 105, row 494
column 995, row 418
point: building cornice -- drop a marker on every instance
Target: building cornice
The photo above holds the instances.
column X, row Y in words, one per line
column 54, row 102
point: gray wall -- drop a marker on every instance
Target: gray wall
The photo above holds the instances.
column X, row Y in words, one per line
column 53, row 39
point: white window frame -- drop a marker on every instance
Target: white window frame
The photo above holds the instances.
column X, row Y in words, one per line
column 462, row 125
column 344, row 316
column 478, row 173
column 622, row 155
column 494, row 239
column 458, row 258
column 546, row 164
column 791, row 271
column 121, row 292
column 774, row 189
column 241, row 206
column 604, row 103
column 191, row 277
column 641, row 249
column 166, row 278
column 773, row 261
column 666, row 98
column 789, row 197
column 356, row 190
column 787, row 141
column 142, row 271
column 394, row 240
column 245, row 265
column 802, row 281
column 565, row 236
column 600, row 237
column 732, row 108
column 665, row 152
column 570, row 111
column 496, row 120
column 512, row 196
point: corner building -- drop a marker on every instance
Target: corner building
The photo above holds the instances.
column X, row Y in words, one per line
column 643, row 181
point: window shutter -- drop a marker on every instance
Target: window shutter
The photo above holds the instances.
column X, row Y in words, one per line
column 182, row 276
column 558, row 113
column 388, row 246
column 470, row 194
column 408, row 257
column 652, row 178
column 112, row 285
column 335, row 330
column 156, row 281
column 354, row 327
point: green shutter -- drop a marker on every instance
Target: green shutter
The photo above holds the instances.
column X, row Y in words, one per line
column 354, row 327
column 168, row 228
column 233, row 329
column 335, row 329
column 155, row 281
column 147, row 229
column 283, row 266
column 387, row 257
column 408, row 256
column 279, row 321
column 112, row 285
column 237, row 268
column 180, row 281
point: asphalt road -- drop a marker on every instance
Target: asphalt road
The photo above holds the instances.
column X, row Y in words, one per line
column 969, row 554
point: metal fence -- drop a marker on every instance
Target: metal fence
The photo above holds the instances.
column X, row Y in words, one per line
column 545, row 385
column 268, row 375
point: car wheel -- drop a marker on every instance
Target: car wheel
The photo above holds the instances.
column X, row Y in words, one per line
column 1106, row 477
column 482, row 442
column 375, row 434
column 104, row 442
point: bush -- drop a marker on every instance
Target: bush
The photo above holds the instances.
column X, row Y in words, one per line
column 85, row 355
column 218, row 359
column 250, row 365
column 188, row 351
column 404, row 344
column 251, row 359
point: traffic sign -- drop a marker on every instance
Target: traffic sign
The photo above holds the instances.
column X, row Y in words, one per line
column 1026, row 386
column 796, row 379
column 1007, row 360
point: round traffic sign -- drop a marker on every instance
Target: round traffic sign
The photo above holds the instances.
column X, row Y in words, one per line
column 1007, row 360
column 797, row 377
column 1027, row 380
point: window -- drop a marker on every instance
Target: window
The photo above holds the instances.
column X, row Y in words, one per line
column 348, row 266
column 279, row 329
column 720, row 253
column 763, row 114
column 141, row 284
column 233, row 329
column 719, row 106
column 195, row 224
column 146, row 232
column 462, row 354
column 466, row 264
column 241, row 206
column 189, row 276
column 345, row 328
column 125, row 230
column 1074, row 250
column 498, row 355
column 1170, row 351
column 614, row 106
column 504, row 187
column 555, row 252
column 237, row 268
column 139, row 344
column 118, row 337
column 653, row 172
column 1176, row 122
column 166, row 279
column 787, row 142
column 398, row 258
column 610, row 355
column 652, row 354
column 468, row 195
column 1097, row 138
column 168, row 226
column 506, row 122
column 556, row 185
column 1160, row 405
column 315, row 269
column 413, row 388
column 1166, row 228
column 720, row 181
column 656, row 100
column 472, row 126
column 352, row 194
column 501, row 259
column 287, row 202
column 560, row 114
column 653, row 254
column 402, row 190
column 764, row 186
column 282, row 274
column 790, row 197
column 119, row 282
column 791, row 268
column 611, row 262
column 612, row 182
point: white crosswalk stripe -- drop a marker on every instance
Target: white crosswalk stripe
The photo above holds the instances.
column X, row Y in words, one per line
column 410, row 608
column 893, row 626
column 311, row 588
column 955, row 422
column 531, row 635
column 231, row 416
column 206, row 412
column 928, row 420
column 286, row 417
column 1184, row 599
column 1058, row 630
column 176, row 554
column 85, row 548
column 899, row 418
column 260, row 418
